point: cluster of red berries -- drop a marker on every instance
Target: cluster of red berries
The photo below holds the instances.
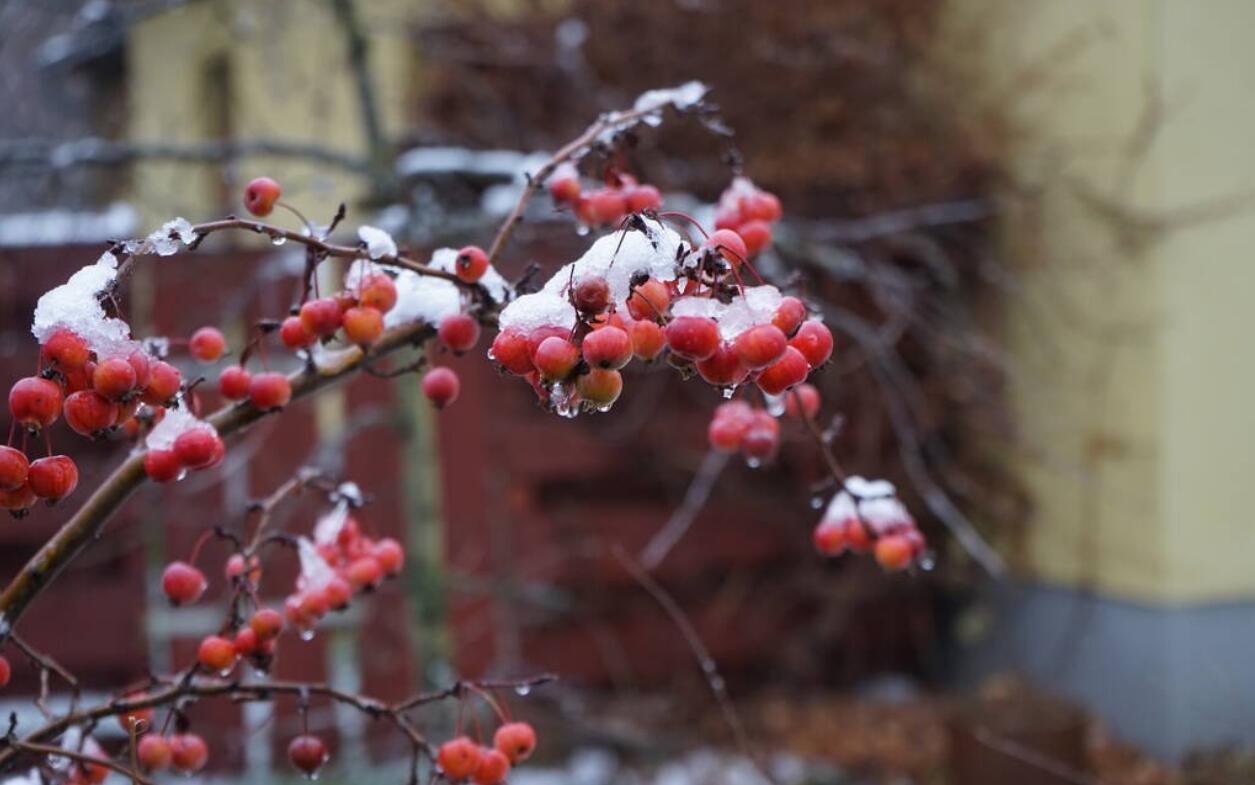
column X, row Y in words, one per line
column 871, row 521
column 356, row 563
column 738, row 426
column 185, row 753
column 462, row 759
column 750, row 212
column 605, row 206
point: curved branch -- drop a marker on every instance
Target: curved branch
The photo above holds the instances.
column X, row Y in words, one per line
column 95, row 151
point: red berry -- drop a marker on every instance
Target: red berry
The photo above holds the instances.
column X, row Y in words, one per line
column 307, row 753
column 600, row 387
column 188, row 752
column 182, row 583
column 313, row 604
column 88, row 412
column 13, row 468
column 79, row 379
column 493, row 767
column 6, row 672
column 269, row 390
column 377, row 291
column 294, row 333
column 441, row 386
column 114, row 377
column 727, row 433
column 591, row 295
column 784, row 374
column 609, row 348
column 154, row 752
column 196, row 447
column 761, row 206
column 858, row 537
column 245, row 642
column 643, row 197
column 564, row 189
column 162, row 465
column 163, row 384
column 53, row 478
column 65, row 349
column 760, row 346
column 727, row 219
column 537, row 336
column 555, row 358
column 234, row 380
column 207, row 344
column 762, row 438
column 814, row 341
column 756, row 235
column 267, row 623
column 829, row 538
column 321, row 316
column 142, row 366
column 648, row 339
column 605, row 206
column 510, row 348
column 216, row 653
column 789, row 315
column 649, row 300
column 458, row 758
column 260, row 196
column 730, row 245
column 515, row 740
column 894, row 552
column 363, row 325
column 809, row 398
column 459, row 332
column 471, row 263
column 723, row 368
column 233, row 570
column 35, row 402
column 693, row 337
column 390, row 555
column 18, row 500
column 365, row 573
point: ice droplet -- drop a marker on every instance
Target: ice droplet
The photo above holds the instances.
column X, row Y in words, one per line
column 605, row 408
column 307, row 634
column 225, row 672
column 523, row 690
column 927, row 561
column 582, row 230
column 727, row 392
column 817, row 501
column 753, row 463
column 278, row 239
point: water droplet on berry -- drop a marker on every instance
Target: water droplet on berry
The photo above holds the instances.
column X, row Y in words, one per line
column 225, row 672
column 606, row 408
column 817, row 501
column 307, row 634
column 727, row 393
column 278, row 240
column 182, row 474
column 523, row 690
column 775, row 404
column 753, row 463
column 927, row 561
column 582, row 230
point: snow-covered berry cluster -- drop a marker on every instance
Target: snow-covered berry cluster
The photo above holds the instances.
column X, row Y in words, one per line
column 866, row 515
column 749, row 211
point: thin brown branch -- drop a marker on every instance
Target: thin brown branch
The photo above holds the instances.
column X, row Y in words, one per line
column 458, row 688
column 83, row 758
column 682, row 518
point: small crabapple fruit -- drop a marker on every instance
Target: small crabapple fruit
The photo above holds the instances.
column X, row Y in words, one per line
column 13, row 468
column 814, row 340
column 378, row 291
column 727, row 219
column 730, row 245
column 182, row 583
column 6, row 672
column 471, row 263
column 294, row 333
column 363, row 325
column 803, row 402
column 153, row 752
column 87, row 412
column 515, row 740
column 53, row 478
column 337, row 592
column 35, row 402
column 564, row 189
column 245, row 642
column 65, row 349
column 188, row 752
column 459, row 332
column 142, row 365
column 606, row 206
column 858, row 537
column 390, row 555
column 511, row 350
column 789, row 315
column 269, row 390
column 196, row 447
column 555, row 358
column 233, row 381
column 234, row 569
column 649, row 299
column 784, row 374
column 724, row 368
column 599, row 387
column 114, row 377
column 441, row 386
column 894, row 552
column 307, row 753
column 267, row 623
column 762, row 438
column 365, row 573
column 829, row 538
column 163, row 384
column 19, row 500
column 79, row 379
column 643, row 197
column 648, row 339
column 760, row 206
column 756, row 235
column 692, row 337
column 760, row 346
column 207, row 344
column 493, row 767
column 321, row 316
column 162, row 465
column 591, row 295
column 458, row 758
column 216, row 653
column 607, row 348
column 260, row 196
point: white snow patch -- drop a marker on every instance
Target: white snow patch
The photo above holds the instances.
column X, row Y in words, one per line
column 757, row 305
column 539, row 309
column 877, row 503
column 378, row 242
column 66, row 227
column 315, row 572
column 446, row 260
column 75, row 305
column 682, row 97
column 329, row 526
column 173, row 424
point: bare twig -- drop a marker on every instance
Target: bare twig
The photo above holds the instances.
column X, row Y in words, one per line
column 95, row 151
column 83, row 758
column 682, row 518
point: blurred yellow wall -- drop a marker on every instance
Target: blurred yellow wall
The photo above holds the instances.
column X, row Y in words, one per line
column 1133, row 375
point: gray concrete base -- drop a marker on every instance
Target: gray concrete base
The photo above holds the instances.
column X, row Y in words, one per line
column 1167, row 679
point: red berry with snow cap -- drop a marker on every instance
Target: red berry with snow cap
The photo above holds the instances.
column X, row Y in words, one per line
column 511, row 349
column 65, row 349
